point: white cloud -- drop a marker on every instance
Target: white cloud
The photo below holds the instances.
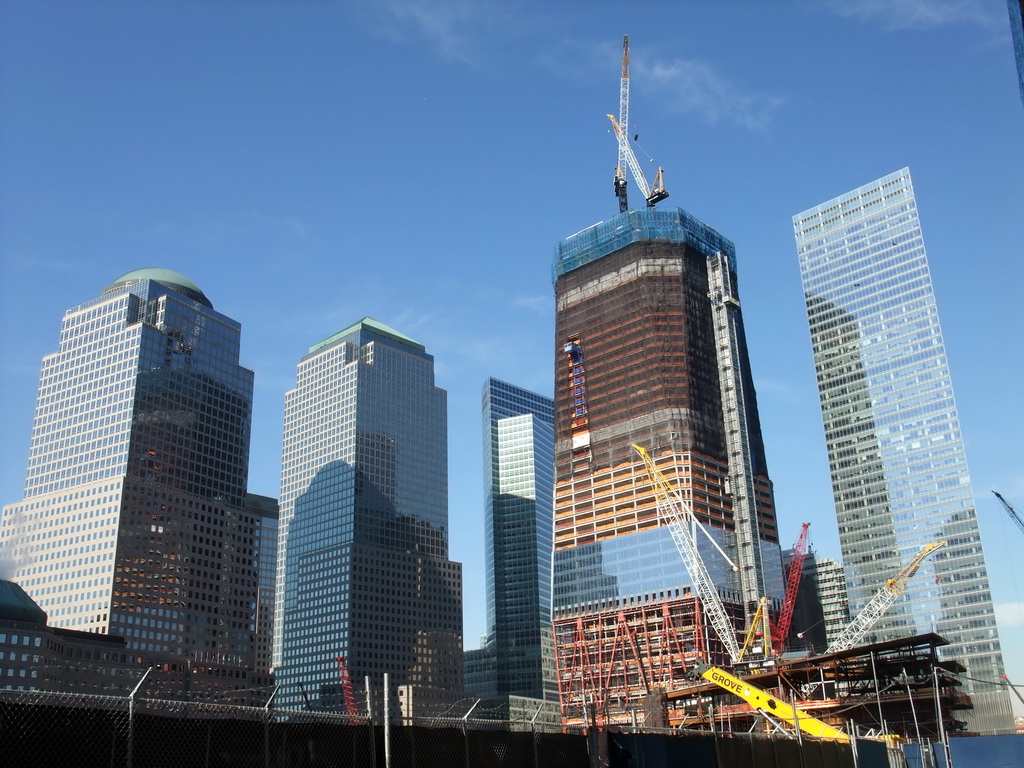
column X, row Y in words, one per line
column 696, row 87
column 451, row 27
column 682, row 85
column 924, row 14
column 1009, row 614
column 539, row 305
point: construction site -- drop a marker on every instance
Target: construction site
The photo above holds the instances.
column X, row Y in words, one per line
column 672, row 606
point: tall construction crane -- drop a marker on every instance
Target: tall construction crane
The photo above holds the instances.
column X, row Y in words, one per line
column 620, row 168
column 780, row 630
column 681, row 521
column 881, row 602
column 653, row 194
column 1010, row 511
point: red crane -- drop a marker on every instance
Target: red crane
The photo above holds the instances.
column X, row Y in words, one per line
column 346, row 687
column 780, row 629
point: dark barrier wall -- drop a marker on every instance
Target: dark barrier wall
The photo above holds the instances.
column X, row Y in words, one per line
column 45, row 736
column 626, row 750
column 988, row 751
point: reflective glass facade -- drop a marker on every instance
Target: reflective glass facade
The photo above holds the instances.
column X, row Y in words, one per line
column 519, row 461
column 265, row 512
column 362, row 568
column 899, row 474
column 133, row 521
column 1016, row 8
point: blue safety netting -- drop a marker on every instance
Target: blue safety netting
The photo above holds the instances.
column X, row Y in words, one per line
column 674, row 226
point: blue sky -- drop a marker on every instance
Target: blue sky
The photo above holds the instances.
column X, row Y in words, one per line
column 308, row 163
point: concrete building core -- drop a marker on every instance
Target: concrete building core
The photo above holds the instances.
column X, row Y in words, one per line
column 639, row 360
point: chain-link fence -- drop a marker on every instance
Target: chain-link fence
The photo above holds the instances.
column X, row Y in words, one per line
column 66, row 729
column 47, row 729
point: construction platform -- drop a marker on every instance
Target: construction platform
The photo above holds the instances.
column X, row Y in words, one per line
column 899, row 687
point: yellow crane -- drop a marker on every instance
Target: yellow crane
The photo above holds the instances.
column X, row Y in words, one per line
column 881, row 602
column 771, row 706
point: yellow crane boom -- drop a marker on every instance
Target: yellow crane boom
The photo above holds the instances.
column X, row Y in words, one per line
column 769, row 705
column 881, row 602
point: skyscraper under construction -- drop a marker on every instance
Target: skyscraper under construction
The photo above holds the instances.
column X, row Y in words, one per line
column 651, row 351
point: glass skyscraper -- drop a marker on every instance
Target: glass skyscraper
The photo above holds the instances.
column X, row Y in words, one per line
column 362, row 569
column 134, row 518
column 896, row 456
column 519, row 459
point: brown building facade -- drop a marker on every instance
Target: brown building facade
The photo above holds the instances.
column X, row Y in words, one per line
column 638, row 362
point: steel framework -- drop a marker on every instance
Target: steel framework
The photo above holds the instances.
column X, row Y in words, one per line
column 609, row 661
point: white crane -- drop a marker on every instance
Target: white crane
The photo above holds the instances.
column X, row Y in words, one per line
column 681, row 521
column 620, row 168
column 881, row 602
column 626, row 156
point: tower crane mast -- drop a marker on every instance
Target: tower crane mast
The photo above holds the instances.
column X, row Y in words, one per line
column 346, row 687
column 881, row 602
column 653, row 194
column 620, row 168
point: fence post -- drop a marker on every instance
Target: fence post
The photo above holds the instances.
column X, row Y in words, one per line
column 266, row 727
column 533, row 729
column 387, row 720
column 369, row 723
column 131, row 715
column 465, row 731
column 938, row 716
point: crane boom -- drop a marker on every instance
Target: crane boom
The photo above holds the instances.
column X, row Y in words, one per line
column 627, row 151
column 1010, row 511
column 770, row 705
column 677, row 514
column 881, row 602
column 780, row 631
column 655, row 195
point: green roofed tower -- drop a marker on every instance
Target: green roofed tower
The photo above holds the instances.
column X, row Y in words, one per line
column 363, row 569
